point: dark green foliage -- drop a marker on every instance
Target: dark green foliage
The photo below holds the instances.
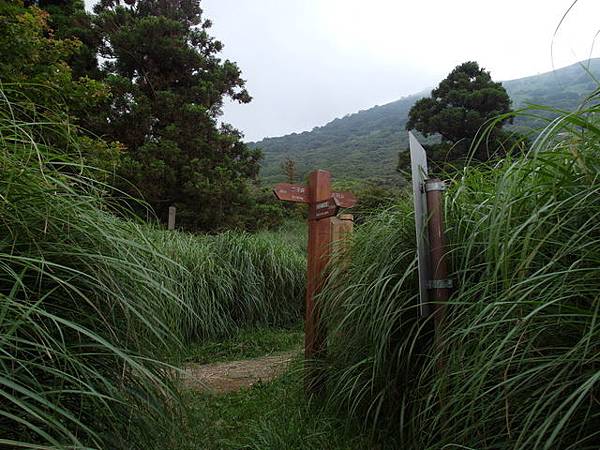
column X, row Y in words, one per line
column 168, row 85
column 262, row 211
column 460, row 105
column 69, row 20
column 517, row 364
column 372, row 197
column 34, row 70
column 457, row 110
column 366, row 144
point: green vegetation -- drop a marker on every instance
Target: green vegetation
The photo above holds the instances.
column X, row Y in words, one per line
column 464, row 103
column 266, row 416
column 34, row 69
column 83, row 319
column 230, row 280
column 246, row 343
column 372, row 197
column 68, row 19
column 516, row 363
column 562, row 89
column 365, row 145
column 360, row 145
column 292, row 232
column 92, row 304
column 271, row 416
column 168, row 84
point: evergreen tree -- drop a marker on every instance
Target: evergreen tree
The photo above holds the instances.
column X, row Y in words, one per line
column 288, row 167
column 168, row 85
column 463, row 104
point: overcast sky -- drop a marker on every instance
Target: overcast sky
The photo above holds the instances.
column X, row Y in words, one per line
column 309, row 61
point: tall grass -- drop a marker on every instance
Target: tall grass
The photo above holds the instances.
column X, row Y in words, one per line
column 91, row 304
column 80, row 312
column 230, row 280
column 517, row 363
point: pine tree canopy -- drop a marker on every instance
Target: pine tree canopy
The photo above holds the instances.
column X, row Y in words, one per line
column 168, row 86
column 466, row 103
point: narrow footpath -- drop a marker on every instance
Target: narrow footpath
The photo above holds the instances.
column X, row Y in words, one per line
column 234, row 375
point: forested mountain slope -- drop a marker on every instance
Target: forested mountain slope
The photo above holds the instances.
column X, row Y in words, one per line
column 365, row 144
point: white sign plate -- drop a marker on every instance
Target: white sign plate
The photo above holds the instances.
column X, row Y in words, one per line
column 418, row 166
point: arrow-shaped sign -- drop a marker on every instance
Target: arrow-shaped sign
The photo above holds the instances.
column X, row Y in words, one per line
column 301, row 194
column 291, row 192
column 344, row 199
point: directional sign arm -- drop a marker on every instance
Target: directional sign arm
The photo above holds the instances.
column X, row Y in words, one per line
column 292, row 192
column 344, row 199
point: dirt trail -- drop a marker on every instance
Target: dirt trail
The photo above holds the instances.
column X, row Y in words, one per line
column 235, row 375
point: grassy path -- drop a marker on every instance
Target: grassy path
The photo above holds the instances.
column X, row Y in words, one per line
column 232, row 376
column 267, row 412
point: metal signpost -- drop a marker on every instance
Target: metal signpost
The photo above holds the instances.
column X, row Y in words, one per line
column 431, row 241
column 418, row 167
column 323, row 205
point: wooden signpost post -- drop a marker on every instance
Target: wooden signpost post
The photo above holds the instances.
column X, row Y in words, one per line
column 323, row 204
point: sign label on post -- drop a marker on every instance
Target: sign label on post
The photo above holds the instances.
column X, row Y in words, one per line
column 322, row 210
column 323, row 205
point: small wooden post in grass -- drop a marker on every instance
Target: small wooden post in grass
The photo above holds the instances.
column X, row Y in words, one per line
column 342, row 226
column 172, row 212
column 323, row 204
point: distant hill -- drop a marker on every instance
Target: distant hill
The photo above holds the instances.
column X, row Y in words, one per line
column 366, row 144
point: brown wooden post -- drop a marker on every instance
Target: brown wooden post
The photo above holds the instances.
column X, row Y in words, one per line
column 323, row 205
column 439, row 284
column 342, row 225
column 341, row 228
column 319, row 243
column 172, row 212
